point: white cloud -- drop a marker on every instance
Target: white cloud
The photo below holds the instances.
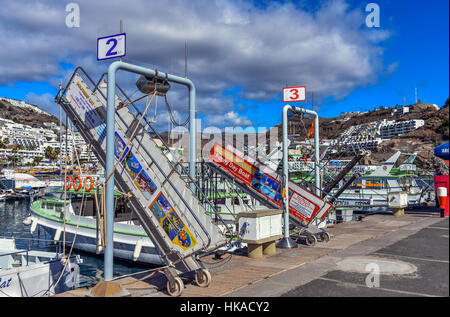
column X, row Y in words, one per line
column 229, row 119
column 45, row 101
column 231, row 44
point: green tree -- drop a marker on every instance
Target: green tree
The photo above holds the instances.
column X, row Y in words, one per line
column 51, row 154
column 37, row 161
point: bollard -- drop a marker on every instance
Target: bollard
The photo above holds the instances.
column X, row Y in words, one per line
column 397, row 212
column 442, row 197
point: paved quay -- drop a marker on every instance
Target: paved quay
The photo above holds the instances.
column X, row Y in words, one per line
column 410, row 252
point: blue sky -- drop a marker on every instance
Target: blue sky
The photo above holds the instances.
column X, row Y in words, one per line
column 419, row 47
column 412, row 52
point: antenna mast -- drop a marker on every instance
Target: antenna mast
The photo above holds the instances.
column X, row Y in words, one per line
column 185, row 59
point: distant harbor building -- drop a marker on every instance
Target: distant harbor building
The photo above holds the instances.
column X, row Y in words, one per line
column 27, row 143
column 394, row 129
column 368, row 136
column 400, row 111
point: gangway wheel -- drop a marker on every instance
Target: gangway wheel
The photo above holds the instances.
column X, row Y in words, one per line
column 310, row 240
column 176, row 287
column 324, row 236
column 202, row 278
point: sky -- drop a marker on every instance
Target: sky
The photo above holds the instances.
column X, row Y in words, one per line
column 240, row 53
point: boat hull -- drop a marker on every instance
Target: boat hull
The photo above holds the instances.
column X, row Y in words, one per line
column 40, row 279
column 82, row 234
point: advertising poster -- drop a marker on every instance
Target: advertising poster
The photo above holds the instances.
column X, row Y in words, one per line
column 132, row 166
column 119, row 146
column 87, row 106
column 145, row 184
column 134, row 169
column 302, row 204
column 172, row 224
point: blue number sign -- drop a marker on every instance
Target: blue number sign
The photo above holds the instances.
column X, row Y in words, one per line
column 112, row 46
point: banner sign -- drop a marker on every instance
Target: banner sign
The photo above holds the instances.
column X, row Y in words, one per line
column 303, row 205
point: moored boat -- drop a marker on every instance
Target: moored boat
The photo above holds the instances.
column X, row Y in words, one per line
column 33, row 273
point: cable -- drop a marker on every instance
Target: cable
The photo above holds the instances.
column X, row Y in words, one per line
column 171, row 116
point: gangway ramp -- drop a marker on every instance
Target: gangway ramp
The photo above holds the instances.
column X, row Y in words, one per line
column 265, row 184
column 169, row 211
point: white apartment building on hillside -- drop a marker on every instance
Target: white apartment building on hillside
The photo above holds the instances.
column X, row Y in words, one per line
column 394, row 129
column 34, row 142
column 369, row 135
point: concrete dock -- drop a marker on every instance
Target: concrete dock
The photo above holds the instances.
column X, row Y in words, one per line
column 381, row 255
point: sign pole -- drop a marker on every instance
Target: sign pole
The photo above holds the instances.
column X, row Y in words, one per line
column 110, row 130
column 286, row 242
column 121, row 31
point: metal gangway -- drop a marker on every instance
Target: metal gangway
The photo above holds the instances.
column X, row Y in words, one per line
column 167, row 206
column 261, row 182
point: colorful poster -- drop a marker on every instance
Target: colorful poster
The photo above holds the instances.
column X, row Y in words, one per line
column 302, row 204
column 88, row 105
column 172, row 224
column 132, row 165
column 119, row 147
column 145, row 184
column 134, row 169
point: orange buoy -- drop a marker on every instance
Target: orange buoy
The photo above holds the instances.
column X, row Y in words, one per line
column 79, row 183
column 91, row 184
column 70, row 182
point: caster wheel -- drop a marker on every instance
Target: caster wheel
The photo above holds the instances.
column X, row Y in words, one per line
column 176, row 288
column 325, row 237
column 203, row 278
column 311, row 240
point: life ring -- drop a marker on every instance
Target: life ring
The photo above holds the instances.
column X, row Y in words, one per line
column 70, row 182
column 91, row 184
column 80, row 183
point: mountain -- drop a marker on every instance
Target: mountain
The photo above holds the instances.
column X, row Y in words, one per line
column 424, row 139
column 434, row 132
column 24, row 113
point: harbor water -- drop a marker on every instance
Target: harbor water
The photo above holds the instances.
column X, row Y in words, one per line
column 12, row 215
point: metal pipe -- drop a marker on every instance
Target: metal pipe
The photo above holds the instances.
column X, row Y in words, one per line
column 344, row 187
column 343, row 172
column 316, row 145
column 110, row 130
column 286, row 242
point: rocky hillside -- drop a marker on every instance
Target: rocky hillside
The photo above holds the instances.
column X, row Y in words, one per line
column 423, row 140
column 434, row 132
column 24, row 116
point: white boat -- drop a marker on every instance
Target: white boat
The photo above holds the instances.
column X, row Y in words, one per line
column 370, row 192
column 27, row 184
column 131, row 243
column 34, row 273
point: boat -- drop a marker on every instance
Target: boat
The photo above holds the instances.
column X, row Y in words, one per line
column 370, row 191
column 28, row 184
column 131, row 243
column 34, row 273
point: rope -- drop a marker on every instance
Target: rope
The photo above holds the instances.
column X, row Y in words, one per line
column 64, row 258
column 130, row 139
column 103, row 185
column 152, row 272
